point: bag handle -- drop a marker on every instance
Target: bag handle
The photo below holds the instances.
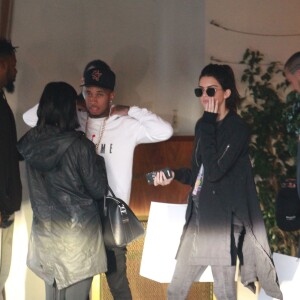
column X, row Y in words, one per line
column 109, row 190
column 122, row 205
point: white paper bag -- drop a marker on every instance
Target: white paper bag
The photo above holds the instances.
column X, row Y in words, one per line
column 288, row 271
column 162, row 239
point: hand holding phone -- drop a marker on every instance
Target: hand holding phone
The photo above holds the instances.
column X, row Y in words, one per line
column 151, row 175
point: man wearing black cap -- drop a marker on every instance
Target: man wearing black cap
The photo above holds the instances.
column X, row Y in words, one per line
column 115, row 130
column 10, row 182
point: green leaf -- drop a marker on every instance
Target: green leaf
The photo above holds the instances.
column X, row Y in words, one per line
column 275, row 123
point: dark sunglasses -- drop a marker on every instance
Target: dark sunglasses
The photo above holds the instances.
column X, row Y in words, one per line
column 210, row 91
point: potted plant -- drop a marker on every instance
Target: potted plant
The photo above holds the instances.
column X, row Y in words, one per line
column 275, row 124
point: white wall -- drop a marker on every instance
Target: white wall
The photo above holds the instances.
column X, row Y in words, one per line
column 256, row 16
column 155, row 47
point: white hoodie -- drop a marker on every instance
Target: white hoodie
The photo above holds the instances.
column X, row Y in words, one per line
column 120, row 136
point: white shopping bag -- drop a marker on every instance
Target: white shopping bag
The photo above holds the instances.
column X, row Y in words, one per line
column 288, row 271
column 162, row 238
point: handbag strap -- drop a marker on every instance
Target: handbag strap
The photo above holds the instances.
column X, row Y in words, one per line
column 109, row 190
column 123, row 208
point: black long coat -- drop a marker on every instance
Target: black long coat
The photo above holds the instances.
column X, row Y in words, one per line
column 228, row 189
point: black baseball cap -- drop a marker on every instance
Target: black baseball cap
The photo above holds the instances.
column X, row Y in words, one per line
column 98, row 76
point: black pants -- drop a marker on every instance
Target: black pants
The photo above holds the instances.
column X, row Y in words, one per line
column 116, row 274
column 77, row 291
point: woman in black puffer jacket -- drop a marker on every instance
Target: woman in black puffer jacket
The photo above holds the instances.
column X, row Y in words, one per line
column 65, row 178
column 223, row 219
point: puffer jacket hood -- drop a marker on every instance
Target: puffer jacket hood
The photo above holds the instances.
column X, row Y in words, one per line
column 43, row 149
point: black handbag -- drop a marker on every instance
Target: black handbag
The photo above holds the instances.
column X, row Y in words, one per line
column 120, row 224
column 288, row 206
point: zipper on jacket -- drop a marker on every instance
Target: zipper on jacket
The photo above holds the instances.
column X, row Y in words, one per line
column 196, row 151
column 227, row 147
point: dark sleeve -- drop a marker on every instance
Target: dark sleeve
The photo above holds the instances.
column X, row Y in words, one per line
column 217, row 160
column 4, row 149
column 298, row 168
column 10, row 181
column 93, row 171
column 183, row 175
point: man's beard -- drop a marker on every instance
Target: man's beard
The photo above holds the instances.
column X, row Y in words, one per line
column 10, row 87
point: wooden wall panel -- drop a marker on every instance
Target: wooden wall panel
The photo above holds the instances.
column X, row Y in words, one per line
column 174, row 153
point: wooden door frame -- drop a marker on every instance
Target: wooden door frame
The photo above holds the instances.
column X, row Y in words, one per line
column 6, row 17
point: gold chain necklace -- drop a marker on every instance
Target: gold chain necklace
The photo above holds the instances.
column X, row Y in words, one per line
column 101, row 131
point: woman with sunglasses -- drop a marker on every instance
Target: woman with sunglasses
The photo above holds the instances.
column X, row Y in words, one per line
column 223, row 218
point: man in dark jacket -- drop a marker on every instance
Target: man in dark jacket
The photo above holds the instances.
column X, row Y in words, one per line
column 10, row 182
column 292, row 74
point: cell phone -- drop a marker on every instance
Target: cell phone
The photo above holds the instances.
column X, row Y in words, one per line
column 150, row 176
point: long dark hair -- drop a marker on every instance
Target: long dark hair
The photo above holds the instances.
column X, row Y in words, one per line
column 225, row 76
column 57, row 107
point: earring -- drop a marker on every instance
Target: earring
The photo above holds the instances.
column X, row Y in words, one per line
column 110, row 107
